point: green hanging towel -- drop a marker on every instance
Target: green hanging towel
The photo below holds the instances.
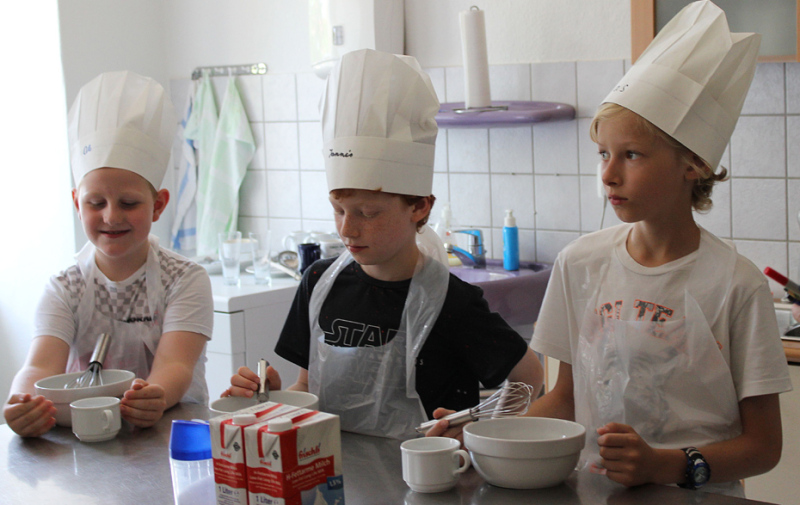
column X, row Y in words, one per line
column 234, row 147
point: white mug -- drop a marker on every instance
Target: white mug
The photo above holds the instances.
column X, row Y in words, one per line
column 330, row 248
column 433, row 464
column 95, row 419
column 292, row 240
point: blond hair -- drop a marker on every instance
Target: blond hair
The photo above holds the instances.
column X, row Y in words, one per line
column 703, row 185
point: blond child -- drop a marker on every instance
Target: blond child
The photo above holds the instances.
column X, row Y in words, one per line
column 384, row 334
column 667, row 337
column 155, row 305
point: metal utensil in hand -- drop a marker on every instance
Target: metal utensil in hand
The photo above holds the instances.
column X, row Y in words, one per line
column 92, row 376
column 511, row 400
column 263, row 383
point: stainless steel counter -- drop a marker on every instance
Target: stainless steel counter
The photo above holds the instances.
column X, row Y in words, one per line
column 133, row 469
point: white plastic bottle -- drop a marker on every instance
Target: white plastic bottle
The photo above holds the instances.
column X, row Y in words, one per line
column 510, row 242
column 191, row 463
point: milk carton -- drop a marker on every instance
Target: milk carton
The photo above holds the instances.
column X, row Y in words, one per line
column 228, row 448
column 295, row 459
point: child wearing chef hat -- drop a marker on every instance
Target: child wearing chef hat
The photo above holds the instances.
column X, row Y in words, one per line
column 384, row 334
column 156, row 305
column 666, row 335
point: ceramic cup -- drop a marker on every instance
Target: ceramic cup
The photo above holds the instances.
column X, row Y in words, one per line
column 95, row 419
column 330, row 248
column 433, row 464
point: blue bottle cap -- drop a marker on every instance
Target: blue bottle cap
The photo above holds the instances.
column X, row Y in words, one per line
column 189, row 441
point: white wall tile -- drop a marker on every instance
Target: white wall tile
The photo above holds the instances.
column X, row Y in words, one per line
column 758, row 147
column 556, row 198
column 794, row 261
column 309, row 91
column 759, row 208
column 513, row 192
column 793, row 211
column 595, row 80
column 280, row 140
column 511, row 150
column 253, row 194
column 554, row 82
column 766, row 95
column 310, row 141
column 280, row 97
column 441, row 190
column 469, row 199
column 314, row 196
column 793, row 88
column 550, row 243
column 587, row 149
column 249, row 224
column 259, row 160
column 718, row 219
column 468, row 150
column 281, row 228
column 321, row 225
column 283, row 190
column 793, row 146
column 454, row 84
column 555, row 148
column 440, row 156
column 766, row 254
column 510, row 82
column 252, row 97
column 591, row 205
column 437, row 76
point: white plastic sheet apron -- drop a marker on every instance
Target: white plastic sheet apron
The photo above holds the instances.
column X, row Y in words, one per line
column 668, row 380
column 373, row 389
column 131, row 346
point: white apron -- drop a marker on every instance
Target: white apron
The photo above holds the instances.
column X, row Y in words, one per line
column 132, row 346
column 668, row 380
column 373, row 389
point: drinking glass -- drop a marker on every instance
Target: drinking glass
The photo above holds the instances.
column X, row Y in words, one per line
column 230, row 250
column 260, row 247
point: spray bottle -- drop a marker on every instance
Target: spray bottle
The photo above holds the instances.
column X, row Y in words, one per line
column 510, row 242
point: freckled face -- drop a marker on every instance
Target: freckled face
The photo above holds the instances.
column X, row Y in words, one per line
column 117, row 208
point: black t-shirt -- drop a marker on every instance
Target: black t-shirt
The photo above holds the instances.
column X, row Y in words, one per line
column 468, row 345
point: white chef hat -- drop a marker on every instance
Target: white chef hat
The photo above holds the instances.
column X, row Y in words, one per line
column 378, row 124
column 692, row 80
column 122, row 120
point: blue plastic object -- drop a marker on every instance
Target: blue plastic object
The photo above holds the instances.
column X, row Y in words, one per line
column 510, row 242
column 189, row 441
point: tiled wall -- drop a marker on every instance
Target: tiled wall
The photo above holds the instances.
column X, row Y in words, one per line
column 545, row 172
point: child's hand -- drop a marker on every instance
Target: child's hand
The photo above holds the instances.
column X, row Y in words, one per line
column 245, row 382
column 627, row 458
column 143, row 404
column 29, row 416
column 443, row 429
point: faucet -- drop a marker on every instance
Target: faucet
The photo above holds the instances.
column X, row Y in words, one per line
column 476, row 257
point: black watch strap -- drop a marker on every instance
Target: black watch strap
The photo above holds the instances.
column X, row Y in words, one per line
column 697, row 470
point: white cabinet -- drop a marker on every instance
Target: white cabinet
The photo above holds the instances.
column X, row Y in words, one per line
column 248, row 320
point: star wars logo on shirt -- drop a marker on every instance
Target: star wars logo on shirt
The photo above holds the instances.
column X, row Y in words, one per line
column 344, row 333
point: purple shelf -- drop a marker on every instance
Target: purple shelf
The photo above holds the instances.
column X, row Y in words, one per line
column 518, row 114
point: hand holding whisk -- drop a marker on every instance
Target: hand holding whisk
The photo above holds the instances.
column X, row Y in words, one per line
column 511, row 400
column 91, row 376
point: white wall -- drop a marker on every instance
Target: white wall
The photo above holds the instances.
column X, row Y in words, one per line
column 36, row 208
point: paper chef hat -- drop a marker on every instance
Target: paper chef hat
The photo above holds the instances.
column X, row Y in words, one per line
column 692, row 80
column 378, row 124
column 122, row 120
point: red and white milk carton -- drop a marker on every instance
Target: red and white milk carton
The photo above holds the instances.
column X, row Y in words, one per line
column 228, row 448
column 295, row 460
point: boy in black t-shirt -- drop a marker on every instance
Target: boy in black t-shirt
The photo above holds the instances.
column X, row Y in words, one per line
column 384, row 334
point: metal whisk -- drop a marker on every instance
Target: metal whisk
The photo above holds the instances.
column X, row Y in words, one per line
column 91, row 376
column 511, row 400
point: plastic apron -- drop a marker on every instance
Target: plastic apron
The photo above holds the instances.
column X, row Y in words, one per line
column 132, row 346
column 373, row 389
column 668, row 380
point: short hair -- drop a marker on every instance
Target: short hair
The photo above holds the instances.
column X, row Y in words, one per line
column 410, row 200
column 703, row 185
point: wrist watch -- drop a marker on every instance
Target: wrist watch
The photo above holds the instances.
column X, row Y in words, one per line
column 697, row 470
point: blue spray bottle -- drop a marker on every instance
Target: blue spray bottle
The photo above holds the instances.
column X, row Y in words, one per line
column 510, row 242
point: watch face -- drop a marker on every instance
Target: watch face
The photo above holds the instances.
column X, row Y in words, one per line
column 701, row 474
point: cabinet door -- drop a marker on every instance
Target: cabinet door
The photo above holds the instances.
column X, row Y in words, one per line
column 775, row 20
column 263, row 326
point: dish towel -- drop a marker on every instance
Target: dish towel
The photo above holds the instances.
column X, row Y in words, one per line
column 201, row 129
column 234, row 147
column 184, row 227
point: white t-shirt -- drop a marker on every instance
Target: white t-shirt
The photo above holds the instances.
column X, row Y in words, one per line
column 745, row 327
column 189, row 305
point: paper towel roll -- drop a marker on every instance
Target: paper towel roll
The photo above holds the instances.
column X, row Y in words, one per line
column 476, row 59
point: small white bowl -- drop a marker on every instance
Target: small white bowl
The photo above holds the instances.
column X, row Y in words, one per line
column 295, row 398
column 115, row 383
column 524, row 452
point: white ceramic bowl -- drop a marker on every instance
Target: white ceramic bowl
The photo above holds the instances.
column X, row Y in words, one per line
column 295, row 398
column 524, row 452
column 115, row 383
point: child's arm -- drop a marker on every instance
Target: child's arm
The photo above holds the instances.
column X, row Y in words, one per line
column 26, row 414
column 170, row 377
column 630, row 461
column 528, row 370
